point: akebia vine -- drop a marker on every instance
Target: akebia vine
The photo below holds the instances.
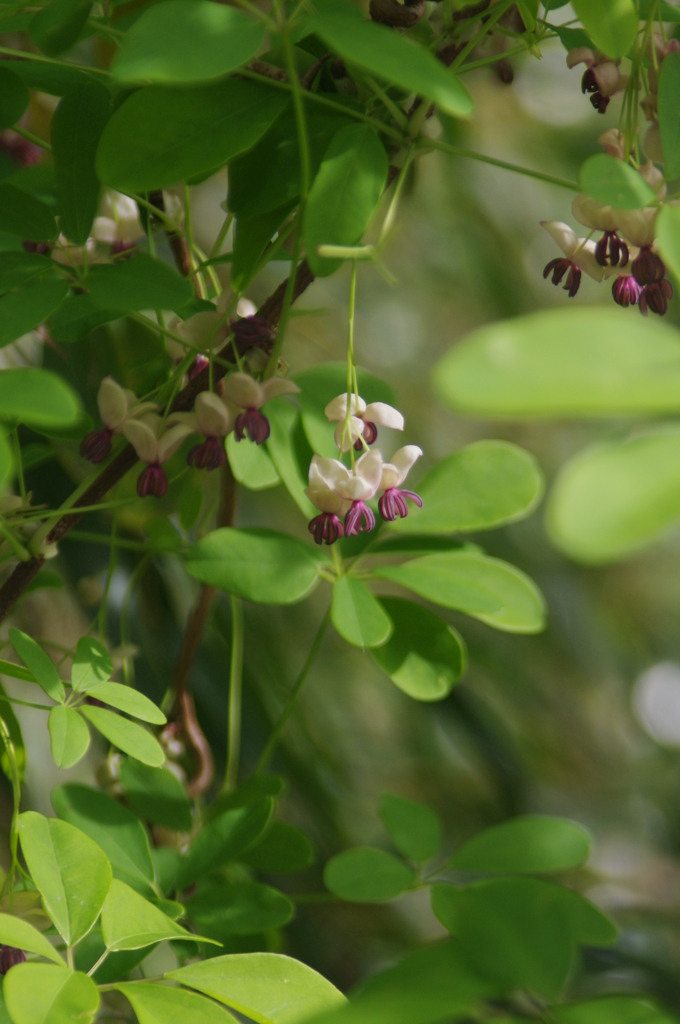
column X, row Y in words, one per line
column 168, row 394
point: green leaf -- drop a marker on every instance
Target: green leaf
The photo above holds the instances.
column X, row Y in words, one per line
column 113, row 828
column 290, row 451
column 159, row 1004
column 669, row 114
column 614, row 182
column 415, row 829
column 156, row 794
column 34, row 658
column 282, row 849
column 425, row 656
column 131, row 922
column 77, row 317
column 46, row 994
column 667, row 12
column 17, row 268
column 239, row 908
column 358, row 616
column 251, row 237
column 611, row 24
column 77, row 125
column 6, row 459
column 223, row 839
column 14, row 98
column 92, row 664
column 54, row 79
column 127, row 736
column 24, row 215
column 141, row 282
column 566, row 362
column 250, row 463
column 57, row 26
column 260, row 565
column 391, row 56
column 615, row 498
column 22, row 935
column 23, row 310
column 69, row 736
column 187, row 41
column 367, row 875
column 159, row 135
column 251, row 792
column 530, row 844
column 38, row 398
column 485, row 588
column 267, row 987
column 321, row 385
column 69, row 870
column 14, row 728
column 476, row 488
column 126, row 699
column 622, row 1009
column 667, row 229
column 345, row 193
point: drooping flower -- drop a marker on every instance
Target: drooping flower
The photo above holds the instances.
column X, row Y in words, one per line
column 579, row 254
column 327, row 527
column 213, row 418
column 610, row 250
column 118, row 223
column 335, row 489
column 10, row 956
column 246, row 393
column 116, row 406
column 363, row 420
column 393, row 501
column 626, row 290
column 601, row 78
column 154, row 446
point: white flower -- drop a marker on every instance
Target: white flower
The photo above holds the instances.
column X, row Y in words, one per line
column 321, row 491
column 595, row 215
column 212, row 416
column 117, row 404
column 118, row 220
column 151, row 442
column 245, row 392
column 577, row 250
column 395, row 472
column 74, row 255
column 363, row 419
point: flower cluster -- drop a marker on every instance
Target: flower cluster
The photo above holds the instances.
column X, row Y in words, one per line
column 341, row 494
column 601, row 79
column 625, row 248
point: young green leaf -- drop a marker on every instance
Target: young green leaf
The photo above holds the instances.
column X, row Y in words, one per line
column 345, row 193
column 367, row 875
column 282, row 848
column 127, row 736
column 38, row 398
column 24, row 215
column 267, row 987
column 239, row 908
column 478, row 487
column 70, row 871
column 611, row 24
column 415, row 829
column 488, row 589
column 222, row 839
column 159, row 1004
column 34, row 658
column 530, row 844
column 615, row 183
column 260, row 565
column 114, row 828
column 14, row 98
column 669, row 114
column 290, row 451
column 187, row 41
column 23, row 310
column 425, row 656
column 566, row 362
column 390, row 56
column 156, row 794
column 47, row 994
column 77, row 317
column 667, row 229
column 251, row 465
column 56, row 26
column 126, row 699
column 160, row 135
column 69, row 736
column 131, row 922
column 22, row 935
column 77, row 125
column 16, row 738
column 138, row 283
column 92, row 664
column 358, row 616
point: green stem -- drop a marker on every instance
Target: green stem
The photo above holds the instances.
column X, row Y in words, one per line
column 16, row 802
column 17, row 547
column 18, row 463
column 288, row 707
column 25, row 703
column 445, row 147
column 228, row 220
column 235, row 690
column 32, row 138
column 488, row 24
column 29, row 55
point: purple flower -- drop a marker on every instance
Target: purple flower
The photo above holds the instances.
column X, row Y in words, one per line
column 393, row 501
column 326, row 528
column 363, row 420
column 117, row 405
column 611, row 251
column 155, row 446
column 152, row 481
column 214, row 418
column 246, row 393
column 10, row 956
column 626, row 290
column 96, row 445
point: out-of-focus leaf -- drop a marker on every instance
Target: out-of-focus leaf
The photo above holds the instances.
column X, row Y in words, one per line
column 615, row 183
column 613, row 1009
column 239, row 908
column 611, row 24
column 669, row 112
column 38, row 398
column 16, row 738
column 667, row 229
column 530, row 844
column 26, row 308
column 24, row 215
column 14, row 97
column 415, row 829
column 358, row 616
column 290, row 451
column 138, row 283
column 367, row 875
column 77, row 125
column 156, row 794
column 77, row 317
column 222, row 839
column 282, row 848
column 56, row 27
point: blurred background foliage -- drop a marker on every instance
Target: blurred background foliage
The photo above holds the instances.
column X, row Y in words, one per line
column 581, row 721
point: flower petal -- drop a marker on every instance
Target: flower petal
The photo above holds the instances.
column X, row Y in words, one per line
column 243, row 391
column 328, row 473
column 104, row 230
column 142, row 438
column 337, row 409
column 213, row 415
column 170, row 441
column 112, row 402
column 403, row 459
column 562, row 234
column 366, row 479
column 584, row 257
column 276, row 386
column 592, row 214
column 384, row 415
column 188, row 418
column 325, row 500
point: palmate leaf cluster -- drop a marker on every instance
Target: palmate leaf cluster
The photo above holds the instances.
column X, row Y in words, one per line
column 317, row 112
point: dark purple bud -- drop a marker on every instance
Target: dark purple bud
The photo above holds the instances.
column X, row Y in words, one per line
column 559, row 268
column 254, row 423
column 359, row 517
column 252, row 330
column 96, row 445
column 626, row 291
column 589, row 82
column 10, row 956
column 199, row 363
column 208, row 455
column 600, row 102
column 42, row 248
column 647, row 267
column 393, row 503
column 655, row 297
column 326, row 528
column 152, row 481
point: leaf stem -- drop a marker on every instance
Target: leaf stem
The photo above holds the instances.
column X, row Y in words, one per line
column 25, row 134
column 16, row 802
column 28, row 55
column 18, row 548
column 235, row 691
column 552, row 179
column 288, row 706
